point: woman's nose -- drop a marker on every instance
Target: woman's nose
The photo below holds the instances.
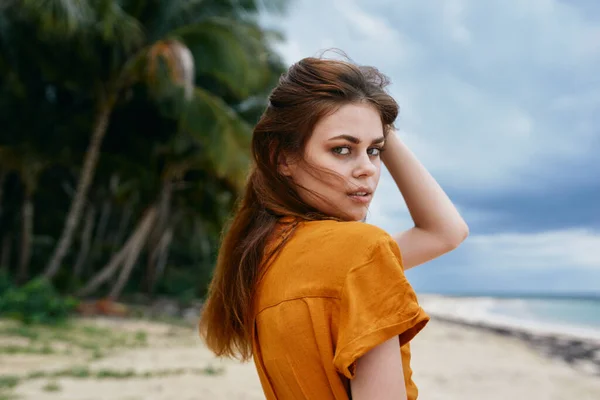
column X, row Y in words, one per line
column 364, row 167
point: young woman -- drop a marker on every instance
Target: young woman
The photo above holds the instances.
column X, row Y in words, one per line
column 303, row 285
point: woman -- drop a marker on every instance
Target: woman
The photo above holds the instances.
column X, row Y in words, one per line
column 302, row 284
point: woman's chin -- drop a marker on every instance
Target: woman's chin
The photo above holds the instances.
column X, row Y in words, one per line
column 356, row 216
column 349, row 214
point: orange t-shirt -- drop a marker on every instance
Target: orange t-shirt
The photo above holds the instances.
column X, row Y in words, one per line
column 335, row 291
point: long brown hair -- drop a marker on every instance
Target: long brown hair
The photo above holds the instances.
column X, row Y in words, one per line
column 311, row 89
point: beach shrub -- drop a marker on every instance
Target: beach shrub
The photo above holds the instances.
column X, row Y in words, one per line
column 5, row 282
column 36, row 302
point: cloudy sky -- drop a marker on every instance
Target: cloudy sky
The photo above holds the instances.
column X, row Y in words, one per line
column 500, row 100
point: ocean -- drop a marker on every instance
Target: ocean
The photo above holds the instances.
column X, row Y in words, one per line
column 574, row 315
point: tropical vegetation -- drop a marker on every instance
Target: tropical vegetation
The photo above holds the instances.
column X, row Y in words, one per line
column 124, row 138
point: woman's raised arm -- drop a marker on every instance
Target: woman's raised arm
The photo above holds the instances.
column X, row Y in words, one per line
column 439, row 228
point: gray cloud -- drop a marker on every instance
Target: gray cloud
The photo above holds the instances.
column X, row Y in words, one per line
column 499, row 99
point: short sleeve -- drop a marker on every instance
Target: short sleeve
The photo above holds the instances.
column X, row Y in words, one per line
column 377, row 303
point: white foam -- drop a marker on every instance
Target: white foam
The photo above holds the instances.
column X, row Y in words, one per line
column 477, row 310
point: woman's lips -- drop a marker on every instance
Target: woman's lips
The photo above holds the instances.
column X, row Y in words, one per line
column 361, row 199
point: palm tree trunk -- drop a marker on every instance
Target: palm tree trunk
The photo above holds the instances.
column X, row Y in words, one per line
column 26, row 235
column 86, row 238
column 118, row 258
column 163, row 257
column 101, row 231
column 105, row 273
column 134, row 252
column 85, row 180
column 123, row 223
column 164, row 214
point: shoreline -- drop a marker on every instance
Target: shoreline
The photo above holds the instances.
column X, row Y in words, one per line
column 579, row 348
column 581, row 354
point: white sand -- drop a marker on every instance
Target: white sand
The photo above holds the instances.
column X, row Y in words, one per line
column 449, row 362
column 457, row 362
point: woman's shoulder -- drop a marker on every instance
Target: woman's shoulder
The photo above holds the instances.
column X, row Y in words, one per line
column 317, row 256
column 360, row 230
column 347, row 237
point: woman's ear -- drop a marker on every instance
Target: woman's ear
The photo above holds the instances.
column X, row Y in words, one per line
column 283, row 165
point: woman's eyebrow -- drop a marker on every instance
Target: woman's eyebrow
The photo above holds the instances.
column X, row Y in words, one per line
column 356, row 140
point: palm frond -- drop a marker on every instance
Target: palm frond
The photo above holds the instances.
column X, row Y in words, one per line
column 229, row 51
column 58, row 17
column 117, row 26
column 222, row 134
column 167, row 15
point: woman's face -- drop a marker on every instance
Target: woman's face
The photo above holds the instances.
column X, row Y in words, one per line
column 347, row 143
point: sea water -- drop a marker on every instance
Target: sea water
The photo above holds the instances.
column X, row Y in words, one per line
column 574, row 315
column 571, row 311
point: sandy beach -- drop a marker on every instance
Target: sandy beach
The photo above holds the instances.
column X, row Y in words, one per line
column 450, row 361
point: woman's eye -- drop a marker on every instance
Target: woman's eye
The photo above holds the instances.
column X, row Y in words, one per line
column 375, row 151
column 341, row 150
column 345, row 150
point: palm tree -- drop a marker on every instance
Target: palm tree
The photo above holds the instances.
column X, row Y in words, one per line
column 28, row 164
column 167, row 44
column 208, row 123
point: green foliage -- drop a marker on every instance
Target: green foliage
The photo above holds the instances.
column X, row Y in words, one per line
column 52, row 387
column 37, row 302
column 8, row 381
column 16, row 349
column 92, row 341
column 60, row 61
column 84, row 372
column 5, row 282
